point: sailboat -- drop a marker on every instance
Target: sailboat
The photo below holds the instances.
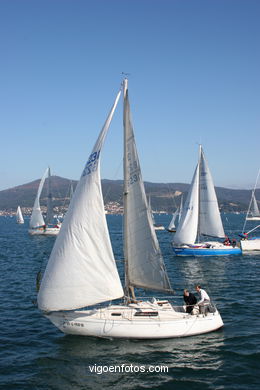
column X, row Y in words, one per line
column 253, row 214
column 251, row 243
column 81, row 272
column 37, row 225
column 19, row 216
column 157, row 226
column 201, row 217
column 172, row 227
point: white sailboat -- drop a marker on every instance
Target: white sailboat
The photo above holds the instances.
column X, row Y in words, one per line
column 172, row 227
column 19, row 216
column 157, row 226
column 251, row 243
column 201, row 217
column 254, row 214
column 81, row 271
column 37, row 225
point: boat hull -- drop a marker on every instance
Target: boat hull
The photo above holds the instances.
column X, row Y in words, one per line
column 44, row 232
column 250, row 244
column 122, row 322
column 206, row 249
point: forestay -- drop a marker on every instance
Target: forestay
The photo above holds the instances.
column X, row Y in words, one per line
column 143, row 259
column 81, row 270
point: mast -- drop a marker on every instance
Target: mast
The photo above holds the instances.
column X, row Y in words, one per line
column 125, row 193
column 199, row 184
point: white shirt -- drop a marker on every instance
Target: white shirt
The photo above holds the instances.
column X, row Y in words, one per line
column 203, row 296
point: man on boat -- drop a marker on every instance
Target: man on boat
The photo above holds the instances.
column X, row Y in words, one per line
column 204, row 299
column 190, row 300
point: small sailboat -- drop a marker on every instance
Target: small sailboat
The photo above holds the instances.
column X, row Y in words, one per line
column 157, row 226
column 172, row 227
column 37, row 225
column 201, row 217
column 253, row 214
column 81, row 272
column 19, row 216
column 251, row 243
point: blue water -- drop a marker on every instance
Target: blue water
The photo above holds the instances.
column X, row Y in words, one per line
column 36, row 355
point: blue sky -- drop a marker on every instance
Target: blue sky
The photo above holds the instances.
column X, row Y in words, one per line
column 194, row 78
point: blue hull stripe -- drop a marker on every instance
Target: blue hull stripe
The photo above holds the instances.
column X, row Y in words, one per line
column 206, row 252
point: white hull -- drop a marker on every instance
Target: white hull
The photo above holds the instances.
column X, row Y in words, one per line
column 250, row 244
column 44, row 232
column 253, row 218
column 136, row 321
column 159, row 227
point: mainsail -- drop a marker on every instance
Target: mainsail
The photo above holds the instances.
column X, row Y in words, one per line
column 81, row 270
column 143, row 259
column 210, row 223
column 201, row 214
column 36, row 219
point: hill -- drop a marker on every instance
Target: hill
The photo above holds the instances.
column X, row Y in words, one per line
column 164, row 196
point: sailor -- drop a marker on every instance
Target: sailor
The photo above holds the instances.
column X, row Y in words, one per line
column 204, row 299
column 190, row 300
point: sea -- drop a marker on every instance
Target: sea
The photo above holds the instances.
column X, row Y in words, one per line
column 35, row 355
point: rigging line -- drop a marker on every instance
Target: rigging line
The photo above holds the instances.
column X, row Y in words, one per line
column 251, row 200
column 109, row 188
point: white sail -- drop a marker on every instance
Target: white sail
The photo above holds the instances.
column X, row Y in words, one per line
column 181, row 208
column 36, row 217
column 210, row 222
column 201, row 213
column 49, row 216
column 254, row 208
column 186, row 232
column 81, row 270
column 143, row 259
column 172, row 223
column 19, row 215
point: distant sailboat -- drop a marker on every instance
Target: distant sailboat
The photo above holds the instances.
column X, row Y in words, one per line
column 172, row 227
column 81, row 271
column 19, row 216
column 157, row 226
column 254, row 214
column 251, row 243
column 201, row 217
column 37, row 225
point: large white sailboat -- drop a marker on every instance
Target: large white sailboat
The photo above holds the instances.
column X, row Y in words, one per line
column 201, row 217
column 81, row 272
column 37, row 225
column 19, row 215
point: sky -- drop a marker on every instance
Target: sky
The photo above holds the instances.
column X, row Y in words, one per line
column 194, row 78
